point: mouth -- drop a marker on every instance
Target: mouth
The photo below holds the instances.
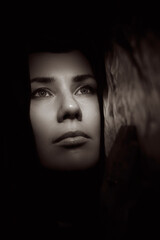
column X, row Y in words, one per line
column 72, row 139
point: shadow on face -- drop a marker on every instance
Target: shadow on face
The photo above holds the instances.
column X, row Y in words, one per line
column 64, row 110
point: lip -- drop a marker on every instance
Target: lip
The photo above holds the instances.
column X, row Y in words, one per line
column 72, row 139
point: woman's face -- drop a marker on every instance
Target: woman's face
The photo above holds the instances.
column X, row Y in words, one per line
column 64, row 110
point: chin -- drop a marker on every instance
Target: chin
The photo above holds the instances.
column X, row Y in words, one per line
column 70, row 163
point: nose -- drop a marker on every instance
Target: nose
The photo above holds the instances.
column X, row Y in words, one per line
column 69, row 109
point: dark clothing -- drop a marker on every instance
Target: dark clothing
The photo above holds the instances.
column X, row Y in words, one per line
column 59, row 205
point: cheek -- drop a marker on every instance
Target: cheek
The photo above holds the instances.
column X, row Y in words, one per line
column 91, row 115
column 42, row 118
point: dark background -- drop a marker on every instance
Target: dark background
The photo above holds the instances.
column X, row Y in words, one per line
column 103, row 22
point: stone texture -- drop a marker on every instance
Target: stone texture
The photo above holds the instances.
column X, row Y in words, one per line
column 133, row 96
column 130, row 190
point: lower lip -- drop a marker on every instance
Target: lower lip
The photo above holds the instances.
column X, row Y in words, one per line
column 73, row 142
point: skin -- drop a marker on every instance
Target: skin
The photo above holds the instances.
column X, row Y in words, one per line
column 64, row 99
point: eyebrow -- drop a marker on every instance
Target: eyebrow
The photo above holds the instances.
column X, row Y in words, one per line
column 77, row 78
column 42, row 80
column 82, row 77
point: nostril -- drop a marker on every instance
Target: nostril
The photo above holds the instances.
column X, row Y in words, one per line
column 72, row 115
column 69, row 111
column 68, row 115
column 79, row 116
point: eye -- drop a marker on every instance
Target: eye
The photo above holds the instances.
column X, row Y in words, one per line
column 41, row 93
column 85, row 90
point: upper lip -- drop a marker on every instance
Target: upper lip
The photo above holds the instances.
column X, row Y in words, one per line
column 71, row 134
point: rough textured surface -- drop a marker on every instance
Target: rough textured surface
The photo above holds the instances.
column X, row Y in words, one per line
column 130, row 192
column 134, row 93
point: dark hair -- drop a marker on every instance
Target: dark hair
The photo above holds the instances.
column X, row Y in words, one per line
column 67, row 42
column 26, row 171
column 78, row 40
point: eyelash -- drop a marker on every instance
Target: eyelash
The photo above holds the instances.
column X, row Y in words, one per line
column 92, row 90
column 88, row 87
column 37, row 91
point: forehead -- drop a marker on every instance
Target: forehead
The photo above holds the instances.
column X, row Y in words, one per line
column 51, row 64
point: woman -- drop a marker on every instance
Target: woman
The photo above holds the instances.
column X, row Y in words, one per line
column 59, row 177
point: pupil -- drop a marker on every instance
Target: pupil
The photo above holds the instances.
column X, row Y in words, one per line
column 84, row 90
column 42, row 93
